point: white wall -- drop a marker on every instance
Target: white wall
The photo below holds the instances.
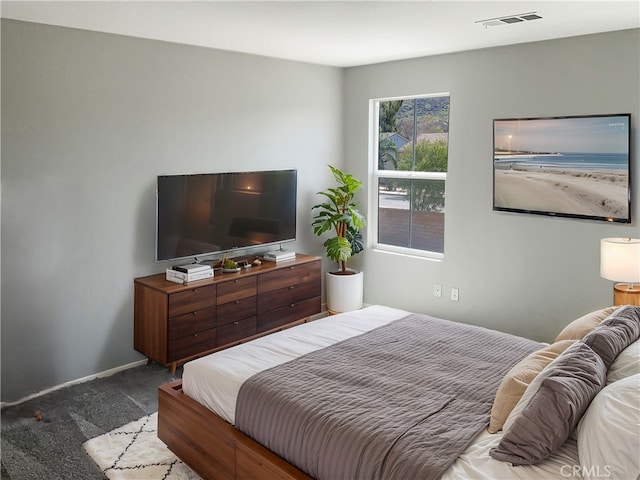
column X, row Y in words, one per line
column 88, row 121
column 520, row 273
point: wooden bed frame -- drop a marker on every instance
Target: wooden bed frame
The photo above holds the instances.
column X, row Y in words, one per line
column 212, row 447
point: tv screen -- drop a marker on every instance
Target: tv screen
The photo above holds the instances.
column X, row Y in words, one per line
column 204, row 214
column 573, row 166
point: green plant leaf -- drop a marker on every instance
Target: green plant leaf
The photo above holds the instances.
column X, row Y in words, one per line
column 338, row 249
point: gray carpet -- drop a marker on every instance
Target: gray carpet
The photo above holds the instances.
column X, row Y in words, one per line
column 52, row 448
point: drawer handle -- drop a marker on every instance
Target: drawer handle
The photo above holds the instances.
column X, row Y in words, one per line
column 290, row 268
column 292, row 287
column 194, row 313
column 292, row 305
column 195, row 290
column 195, row 334
column 235, row 281
column 237, row 302
column 235, row 323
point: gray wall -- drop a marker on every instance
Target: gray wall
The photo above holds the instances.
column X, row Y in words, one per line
column 88, row 121
column 519, row 273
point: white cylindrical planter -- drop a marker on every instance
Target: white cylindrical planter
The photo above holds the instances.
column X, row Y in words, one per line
column 344, row 292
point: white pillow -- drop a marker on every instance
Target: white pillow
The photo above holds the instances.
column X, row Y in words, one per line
column 627, row 363
column 609, row 432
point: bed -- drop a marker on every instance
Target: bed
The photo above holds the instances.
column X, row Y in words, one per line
column 230, row 406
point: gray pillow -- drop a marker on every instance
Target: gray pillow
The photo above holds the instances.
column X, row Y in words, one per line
column 551, row 410
column 615, row 333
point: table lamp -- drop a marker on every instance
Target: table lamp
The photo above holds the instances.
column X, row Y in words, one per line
column 620, row 262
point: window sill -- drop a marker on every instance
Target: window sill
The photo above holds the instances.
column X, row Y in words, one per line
column 409, row 253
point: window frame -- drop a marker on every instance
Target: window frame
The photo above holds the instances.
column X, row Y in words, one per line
column 375, row 175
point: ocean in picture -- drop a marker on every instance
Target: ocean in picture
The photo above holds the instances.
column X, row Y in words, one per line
column 574, row 161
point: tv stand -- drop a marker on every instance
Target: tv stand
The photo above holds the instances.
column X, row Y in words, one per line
column 174, row 323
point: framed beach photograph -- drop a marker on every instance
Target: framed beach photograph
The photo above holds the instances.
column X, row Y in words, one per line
column 573, row 166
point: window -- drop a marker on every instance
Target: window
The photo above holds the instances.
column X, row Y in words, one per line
column 410, row 170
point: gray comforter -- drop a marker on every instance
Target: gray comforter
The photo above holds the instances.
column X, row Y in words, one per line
column 400, row 402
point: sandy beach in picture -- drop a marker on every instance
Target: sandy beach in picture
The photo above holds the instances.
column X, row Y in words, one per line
column 600, row 193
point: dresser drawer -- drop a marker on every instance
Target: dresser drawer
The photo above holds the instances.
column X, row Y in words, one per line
column 281, row 316
column 192, row 300
column 287, row 296
column 236, row 310
column 190, row 345
column 190, row 323
column 236, row 289
column 236, row 331
column 283, row 277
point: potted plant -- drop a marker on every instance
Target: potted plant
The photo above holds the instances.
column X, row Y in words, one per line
column 339, row 215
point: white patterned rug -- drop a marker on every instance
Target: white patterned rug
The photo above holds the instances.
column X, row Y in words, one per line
column 134, row 452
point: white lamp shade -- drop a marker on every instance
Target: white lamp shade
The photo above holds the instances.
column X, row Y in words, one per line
column 620, row 259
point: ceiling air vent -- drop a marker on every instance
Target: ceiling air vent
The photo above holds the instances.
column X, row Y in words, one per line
column 509, row 19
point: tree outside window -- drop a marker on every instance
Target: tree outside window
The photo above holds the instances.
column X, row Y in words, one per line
column 412, row 155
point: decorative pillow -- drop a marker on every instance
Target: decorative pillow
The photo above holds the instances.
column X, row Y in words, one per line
column 609, row 432
column 627, row 363
column 516, row 381
column 583, row 325
column 615, row 333
column 552, row 406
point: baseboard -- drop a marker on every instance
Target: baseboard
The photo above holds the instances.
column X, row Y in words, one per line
column 111, row 371
column 88, row 378
column 324, row 312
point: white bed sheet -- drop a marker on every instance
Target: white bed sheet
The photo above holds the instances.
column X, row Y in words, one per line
column 475, row 463
column 215, row 380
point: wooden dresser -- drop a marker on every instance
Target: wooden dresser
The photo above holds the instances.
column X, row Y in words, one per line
column 174, row 323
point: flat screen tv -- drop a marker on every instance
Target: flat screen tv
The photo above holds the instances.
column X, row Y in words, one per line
column 213, row 213
column 573, row 166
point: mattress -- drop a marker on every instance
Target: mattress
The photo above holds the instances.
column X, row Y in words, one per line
column 215, row 380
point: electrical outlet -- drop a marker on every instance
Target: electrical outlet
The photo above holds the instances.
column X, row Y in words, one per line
column 455, row 294
column 437, row 290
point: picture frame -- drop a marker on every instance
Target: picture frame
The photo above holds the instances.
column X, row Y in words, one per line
column 569, row 166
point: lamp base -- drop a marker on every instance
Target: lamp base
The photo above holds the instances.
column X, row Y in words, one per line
column 625, row 294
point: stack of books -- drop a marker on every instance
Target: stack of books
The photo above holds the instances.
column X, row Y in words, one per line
column 279, row 255
column 189, row 273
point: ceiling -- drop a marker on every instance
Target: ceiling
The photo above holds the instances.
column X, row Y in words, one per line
column 336, row 33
